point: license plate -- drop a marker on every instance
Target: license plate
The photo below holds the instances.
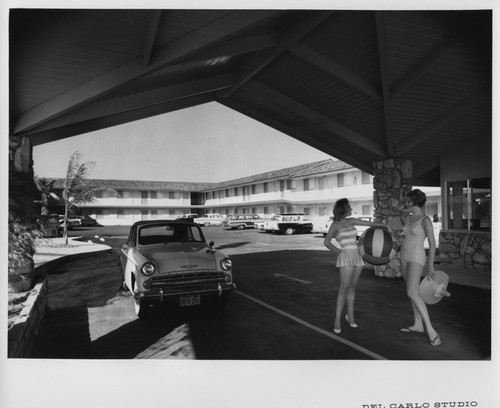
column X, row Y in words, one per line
column 190, row 300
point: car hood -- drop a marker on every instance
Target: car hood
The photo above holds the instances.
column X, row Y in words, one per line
column 181, row 257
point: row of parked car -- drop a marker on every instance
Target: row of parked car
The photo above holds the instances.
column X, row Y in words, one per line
column 53, row 225
column 281, row 223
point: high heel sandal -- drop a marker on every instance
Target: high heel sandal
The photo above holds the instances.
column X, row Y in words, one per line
column 353, row 325
column 436, row 341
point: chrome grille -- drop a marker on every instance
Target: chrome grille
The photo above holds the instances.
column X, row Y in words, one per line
column 187, row 280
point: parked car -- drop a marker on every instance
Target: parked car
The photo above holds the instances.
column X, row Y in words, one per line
column 50, row 226
column 290, row 224
column 170, row 259
column 208, row 220
column 241, row 221
column 359, row 228
column 86, row 221
column 185, row 216
column 73, row 222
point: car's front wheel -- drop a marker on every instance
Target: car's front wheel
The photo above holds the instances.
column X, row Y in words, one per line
column 207, row 224
column 240, row 227
column 142, row 307
column 289, row 231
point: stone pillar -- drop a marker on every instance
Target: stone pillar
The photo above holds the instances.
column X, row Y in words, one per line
column 22, row 189
column 391, row 182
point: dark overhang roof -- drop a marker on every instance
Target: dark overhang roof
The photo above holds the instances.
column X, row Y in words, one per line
column 361, row 86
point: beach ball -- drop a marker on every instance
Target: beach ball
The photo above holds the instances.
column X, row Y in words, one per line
column 377, row 246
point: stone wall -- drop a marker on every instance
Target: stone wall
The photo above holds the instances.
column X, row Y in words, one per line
column 466, row 248
column 22, row 334
column 22, row 187
column 391, row 182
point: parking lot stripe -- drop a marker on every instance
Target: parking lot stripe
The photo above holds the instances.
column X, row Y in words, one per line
column 313, row 327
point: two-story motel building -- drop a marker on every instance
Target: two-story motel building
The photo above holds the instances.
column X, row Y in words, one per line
column 309, row 188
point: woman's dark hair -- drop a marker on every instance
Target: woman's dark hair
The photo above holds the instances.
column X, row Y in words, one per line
column 417, row 197
column 340, row 209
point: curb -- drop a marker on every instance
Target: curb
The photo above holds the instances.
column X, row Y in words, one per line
column 23, row 332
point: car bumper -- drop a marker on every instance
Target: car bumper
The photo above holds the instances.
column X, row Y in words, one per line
column 161, row 294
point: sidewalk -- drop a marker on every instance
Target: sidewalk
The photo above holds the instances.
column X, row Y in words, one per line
column 54, row 252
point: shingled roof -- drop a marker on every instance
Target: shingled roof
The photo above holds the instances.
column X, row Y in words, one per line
column 302, row 170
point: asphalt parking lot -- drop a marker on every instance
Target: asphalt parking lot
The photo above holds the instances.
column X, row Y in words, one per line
column 282, row 310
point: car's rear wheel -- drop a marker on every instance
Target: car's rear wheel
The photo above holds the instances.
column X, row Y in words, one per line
column 240, row 227
column 289, row 231
column 207, row 224
column 142, row 307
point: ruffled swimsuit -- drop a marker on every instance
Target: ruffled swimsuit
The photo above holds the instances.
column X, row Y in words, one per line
column 349, row 253
column 412, row 249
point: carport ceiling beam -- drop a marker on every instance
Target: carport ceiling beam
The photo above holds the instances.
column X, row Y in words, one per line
column 331, row 67
column 238, row 46
column 424, row 65
column 176, row 50
column 449, row 116
column 318, row 119
column 92, row 125
column 151, row 36
column 115, row 106
column 297, row 27
column 385, row 78
column 296, row 134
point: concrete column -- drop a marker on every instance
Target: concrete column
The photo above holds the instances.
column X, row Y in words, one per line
column 391, row 182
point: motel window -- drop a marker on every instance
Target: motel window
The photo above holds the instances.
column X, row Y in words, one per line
column 306, row 184
column 340, row 180
column 307, row 211
column 289, row 184
column 254, row 189
column 154, row 213
column 171, row 195
column 119, row 193
column 469, row 204
column 366, row 209
column 266, row 187
column 236, row 191
column 266, row 210
column 282, row 185
column 365, row 178
column 99, row 213
column 154, row 194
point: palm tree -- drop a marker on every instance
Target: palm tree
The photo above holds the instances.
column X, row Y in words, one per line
column 46, row 187
column 77, row 188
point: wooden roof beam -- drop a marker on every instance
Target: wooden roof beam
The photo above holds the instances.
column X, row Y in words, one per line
column 459, row 109
column 385, row 81
column 297, row 28
column 316, row 118
column 173, row 52
column 331, row 67
column 424, row 65
column 238, row 46
column 114, row 106
column 150, row 38
column 50, row 135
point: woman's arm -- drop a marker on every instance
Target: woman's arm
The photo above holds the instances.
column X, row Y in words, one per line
column 429, row 232
column 329, row 236
column 356, row 221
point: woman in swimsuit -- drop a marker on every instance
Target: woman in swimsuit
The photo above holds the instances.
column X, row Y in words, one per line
column 349, row 259
column 417, row 227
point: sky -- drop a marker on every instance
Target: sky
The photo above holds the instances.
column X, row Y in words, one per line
column 205, row 143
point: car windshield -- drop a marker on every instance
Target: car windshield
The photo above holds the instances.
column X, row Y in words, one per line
column 164, row 234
